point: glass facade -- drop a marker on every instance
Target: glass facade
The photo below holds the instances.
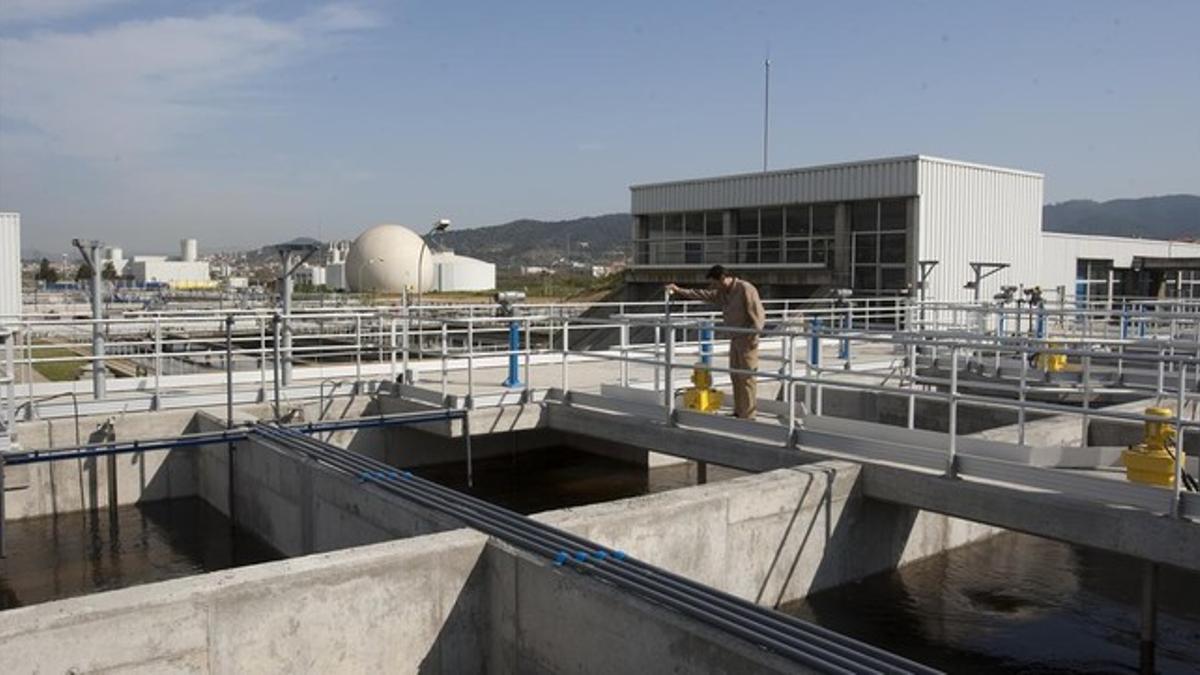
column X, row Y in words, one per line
column 770, row 235
column 1091, row 278
column 879, row 245
column 875, row 240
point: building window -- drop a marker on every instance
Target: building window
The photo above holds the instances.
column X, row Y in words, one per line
column 1091, row 278
column 746, row 224
column 798, row 224
column 771, row 223
column 879, row 245
column 864, row 216
column 823, row 217
column 714, row 223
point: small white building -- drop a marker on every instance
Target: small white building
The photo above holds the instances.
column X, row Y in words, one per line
column 460, row 273
column 1098, row 267
column 335, row 277
column 184, row 272
column 310, row 275
column 116, row 256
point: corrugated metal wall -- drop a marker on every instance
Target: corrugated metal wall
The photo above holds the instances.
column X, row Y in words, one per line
column 971, row 213
column 10, row 265
column 894, row 177
column 1060, row 252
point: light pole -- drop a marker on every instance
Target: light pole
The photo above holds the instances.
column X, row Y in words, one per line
column 440, row 226
column 92, row 251
column 287, row 254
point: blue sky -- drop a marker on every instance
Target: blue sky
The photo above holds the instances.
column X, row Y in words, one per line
column 243, row 123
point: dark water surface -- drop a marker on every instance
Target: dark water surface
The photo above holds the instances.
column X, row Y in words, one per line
column 559, row 477
column 1017, row 604
column 55, row 557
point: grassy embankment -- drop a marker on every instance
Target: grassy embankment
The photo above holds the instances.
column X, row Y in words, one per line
column 57, row 371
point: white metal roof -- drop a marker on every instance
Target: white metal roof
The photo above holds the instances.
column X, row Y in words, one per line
column 838, row 165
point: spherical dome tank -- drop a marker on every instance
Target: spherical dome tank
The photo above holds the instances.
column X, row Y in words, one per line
column 384, row 259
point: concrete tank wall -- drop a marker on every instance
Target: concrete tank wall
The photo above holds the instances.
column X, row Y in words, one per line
column 444, row 603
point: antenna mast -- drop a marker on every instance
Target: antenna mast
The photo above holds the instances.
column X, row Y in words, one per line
column 766, row 105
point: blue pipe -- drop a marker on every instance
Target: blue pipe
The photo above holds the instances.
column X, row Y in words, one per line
column 706, row 343
column 514, row 363
column 104, row 449
column 814, row 343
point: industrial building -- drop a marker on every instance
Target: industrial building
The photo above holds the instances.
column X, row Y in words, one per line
column 184, row 272
column 453, row 272
column 878, row 227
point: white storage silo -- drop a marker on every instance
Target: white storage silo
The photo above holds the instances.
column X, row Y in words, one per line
column 187, row 250
column 10, row 266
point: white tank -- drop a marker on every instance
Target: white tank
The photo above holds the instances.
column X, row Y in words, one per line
column 187, row 250
column 384, row 259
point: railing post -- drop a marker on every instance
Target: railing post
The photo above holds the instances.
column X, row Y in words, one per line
column 669, row 388
column 358, row 342
column 1161, row 384
column 10, row 415
column 2, row 514
column 790, row 394
column 470, row 365
column 528, row 360
column 31, row 411
column 406, row 346
column 912, row 384
column 392, row 347
column 229, row 410
column 814, row 359
column 1087, row 394
column 445, row 354
column 566, row 348
column 1180, row 433
column 657, row 342
column 624, row 331
column 275, row 321
column 156, row 402
column 952, row 458
column 1021, row 392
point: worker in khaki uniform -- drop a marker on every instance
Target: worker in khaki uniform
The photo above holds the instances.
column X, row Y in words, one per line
column 741, row 308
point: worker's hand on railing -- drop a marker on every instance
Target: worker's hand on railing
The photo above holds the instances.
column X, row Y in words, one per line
column 671, row 289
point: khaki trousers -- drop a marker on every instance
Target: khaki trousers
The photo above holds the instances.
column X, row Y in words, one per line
column 743, row 355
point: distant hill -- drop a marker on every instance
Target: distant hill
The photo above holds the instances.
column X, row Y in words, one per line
column 540, row 242
column 1167, row 217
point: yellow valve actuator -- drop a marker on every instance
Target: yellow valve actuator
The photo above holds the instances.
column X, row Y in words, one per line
column 701, row 396
column 1150, row 462
column 1050, row 362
